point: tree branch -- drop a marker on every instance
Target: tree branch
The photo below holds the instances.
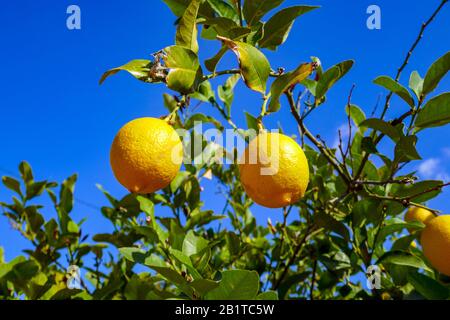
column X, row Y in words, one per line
column 330, row 157
column 410, row 52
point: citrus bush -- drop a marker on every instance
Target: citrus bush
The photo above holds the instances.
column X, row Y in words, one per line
column 341, row 208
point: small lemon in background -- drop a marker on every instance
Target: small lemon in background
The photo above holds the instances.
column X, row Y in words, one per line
column 419, row 214
column 146, row 155
column 435, row 240
column 274, row 170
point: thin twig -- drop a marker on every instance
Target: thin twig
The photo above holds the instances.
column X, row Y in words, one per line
column 397, row 77
column 330, row 157
column 410, row 52
column 349, row 101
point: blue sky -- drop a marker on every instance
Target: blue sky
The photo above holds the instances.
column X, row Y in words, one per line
column 56, row 116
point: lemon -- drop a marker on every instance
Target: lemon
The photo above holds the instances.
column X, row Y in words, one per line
column 274, row 170
column 435, row 242
column 419, row 214
column 146, row 155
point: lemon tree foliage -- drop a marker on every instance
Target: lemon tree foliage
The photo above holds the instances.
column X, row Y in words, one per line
column 318, row 246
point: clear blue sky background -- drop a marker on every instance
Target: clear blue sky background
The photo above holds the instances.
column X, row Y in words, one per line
column 56, row 116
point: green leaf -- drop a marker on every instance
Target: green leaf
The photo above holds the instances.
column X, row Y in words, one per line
column 236, row 285
column 392, row 228
column 355, row 113
column 392, row 85
column 268, row 295
column 187, row 27
column 233, row 243
column 12, row 184
column 382, row 126
column 408, row 191
column 193, row 244
column 184, row 69
column 277, row 29
column 66, row 200
column 402, row 258
column 403, row 243
column 405, row 149
column 224, row 9
column 138, row 288
column 201, row 218
column 416, row 84
column 436, row 72
column 226, row 28
column 331, row 76
column 140, row 69
column 157, row 264
column 204, row 286
column 147, row 206
column 255, row 67
column 178, row 180
column 26, row 172
column 226, row 91
column 428, row 287
column 204, row 92
column 435, row 113
column 254, row 10
column 252, row 122
column 35, row 189
column 286, row 81
column 134, row 254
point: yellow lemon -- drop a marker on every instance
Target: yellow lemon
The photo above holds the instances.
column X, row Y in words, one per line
column 435, row 242
column 274, row 170
column 146, row 155
column 419, row 214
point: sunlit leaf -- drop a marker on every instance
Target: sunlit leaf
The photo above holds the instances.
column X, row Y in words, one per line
column 184, row 69
column 224, row 9
column 186, row 35
column 331, row 76
column 286, row 81
column 255, row 67
column 416, row 84
column 226, row 91
column 140, row 69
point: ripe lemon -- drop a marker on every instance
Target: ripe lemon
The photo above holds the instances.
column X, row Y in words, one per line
column 419, row 214
column 146, row 155
column 274, row 170
column 435, row 242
